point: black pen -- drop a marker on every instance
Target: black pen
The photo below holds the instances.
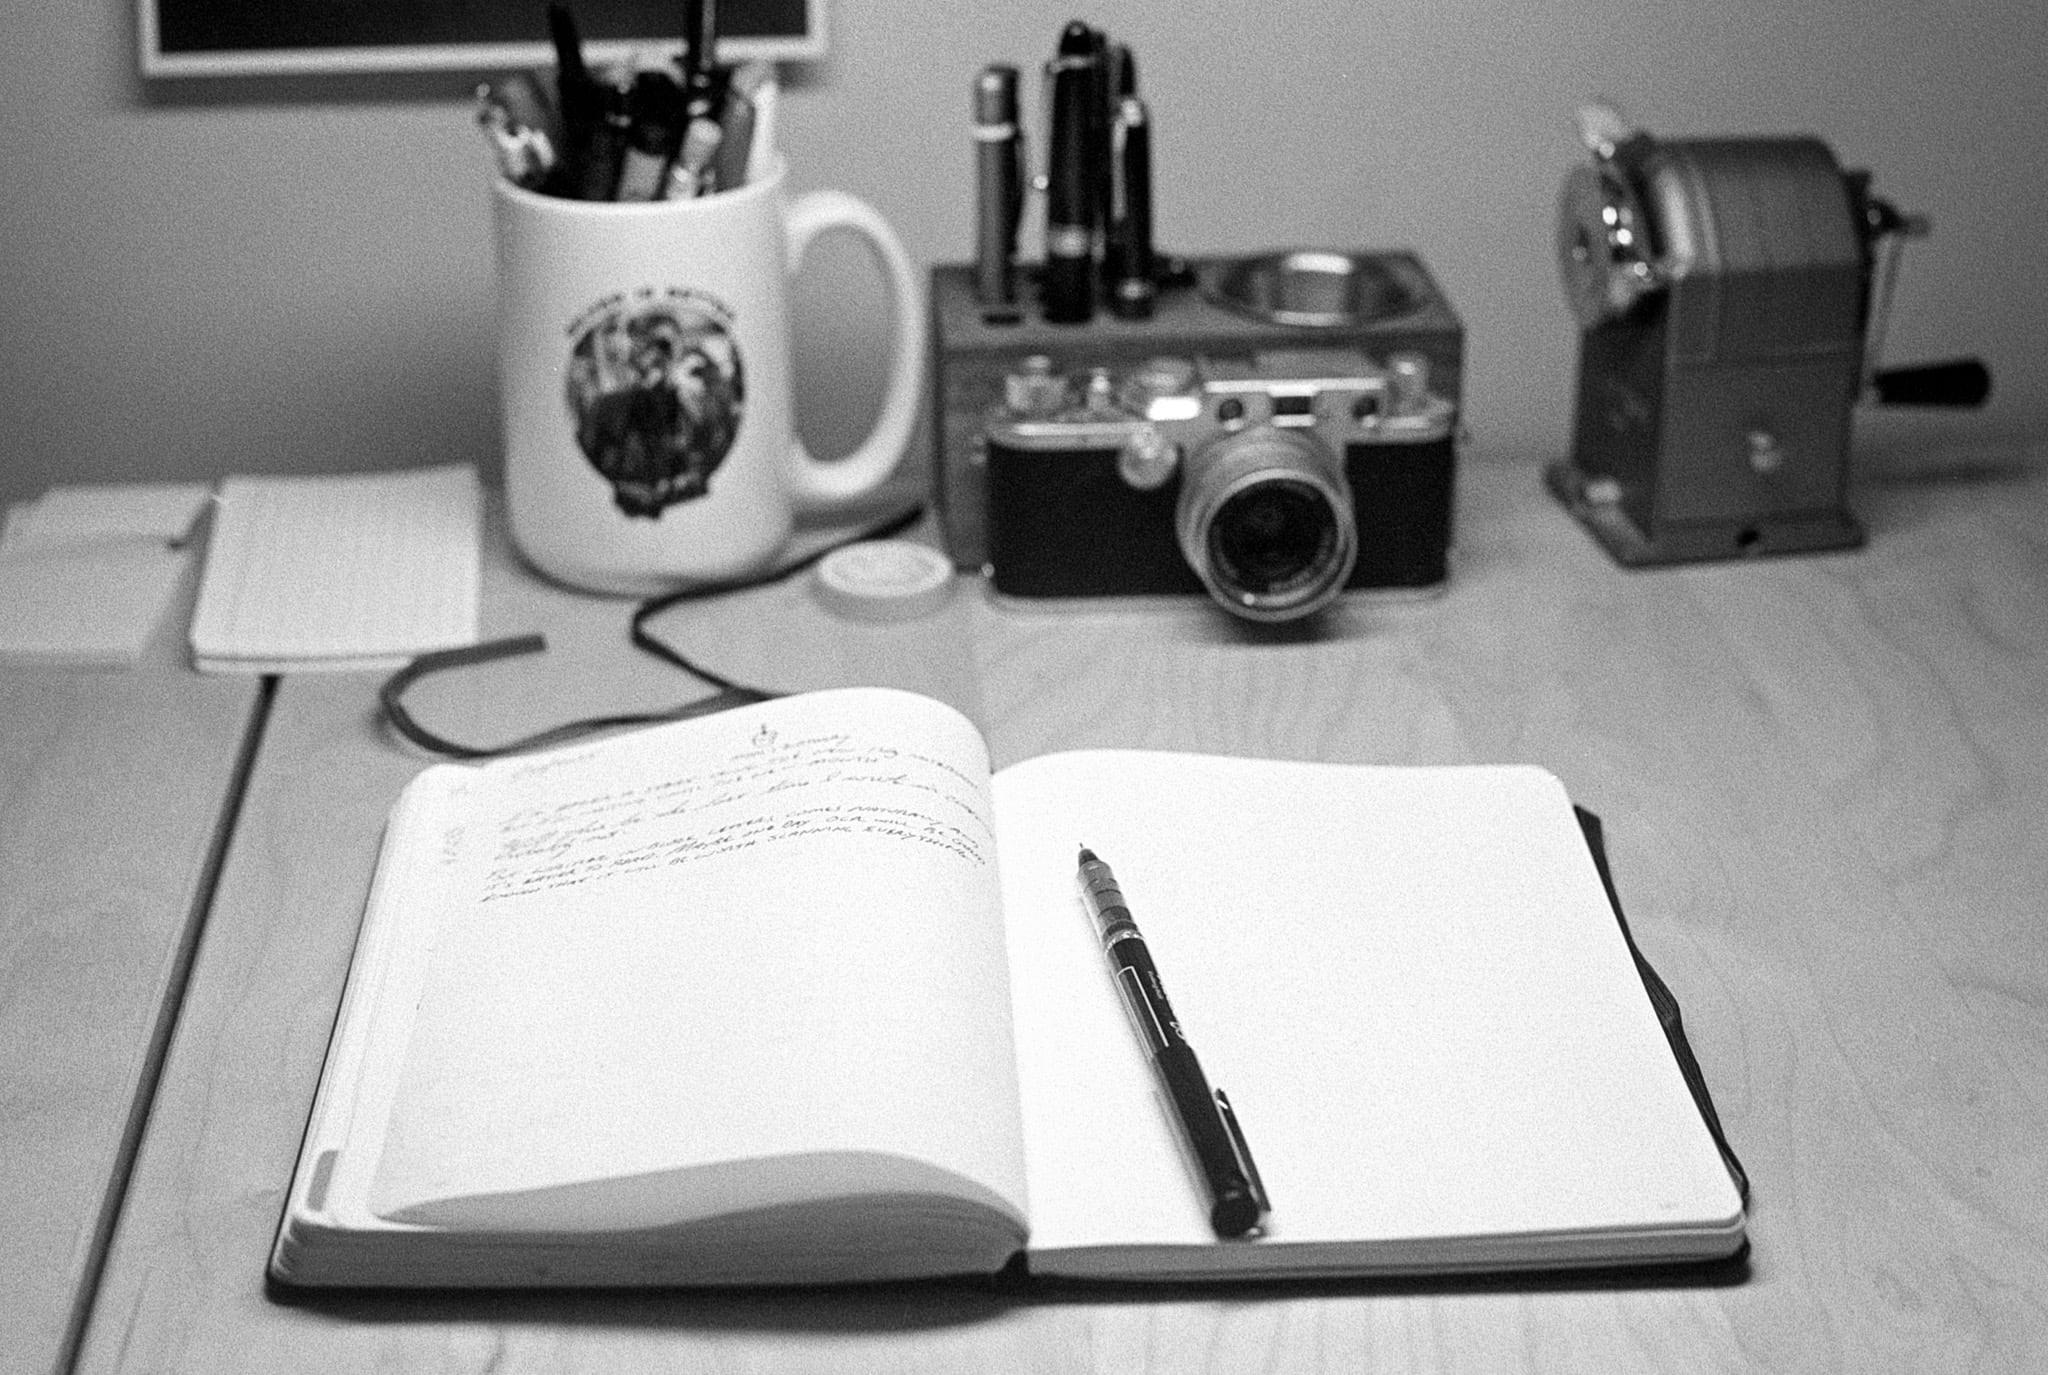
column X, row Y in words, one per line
column 577, row 100
column 1067, row 291
column 656, row 136
column 1127, row 260
column 1210, row 1128
column 999, row 191
column 1101, row 114
column 605, row 152
column 699, row 58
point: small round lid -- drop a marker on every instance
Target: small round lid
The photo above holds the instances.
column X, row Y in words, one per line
column 884, row 580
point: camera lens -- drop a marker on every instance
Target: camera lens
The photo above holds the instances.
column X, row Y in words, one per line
column 1266, row 521
column 1272, row 536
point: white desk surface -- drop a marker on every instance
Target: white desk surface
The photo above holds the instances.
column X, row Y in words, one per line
column 1823, row 781
column 112, row 790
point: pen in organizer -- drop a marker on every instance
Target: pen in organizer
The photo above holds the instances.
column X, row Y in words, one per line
column 1208, row 1126
column 1127, row 258
column 999, row 191
column 1067, row 288
column 1101, row 110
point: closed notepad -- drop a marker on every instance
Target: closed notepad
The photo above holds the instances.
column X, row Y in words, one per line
column 354, row 571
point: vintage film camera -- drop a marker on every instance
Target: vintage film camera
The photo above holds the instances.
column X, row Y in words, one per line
column 1272, row 481
column 1284, row 328
column 1731, row 310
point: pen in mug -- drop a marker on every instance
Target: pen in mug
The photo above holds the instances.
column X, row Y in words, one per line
column 1208, row 1126
column 765, row 90
column 577, row 99
column 526, row 99
column 637, row 133
column 655, row 138
column 699, row 59
column 604, row 153
column 518, row 134
column 736, row 127
column 691, row 175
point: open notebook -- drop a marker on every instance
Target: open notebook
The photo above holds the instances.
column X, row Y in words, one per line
column 800, row 993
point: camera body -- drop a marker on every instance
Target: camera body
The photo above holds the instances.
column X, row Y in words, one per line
column 1273, row 480
column 1378, row 302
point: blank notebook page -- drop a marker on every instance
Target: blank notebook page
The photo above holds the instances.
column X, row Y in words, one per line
column 356, row 571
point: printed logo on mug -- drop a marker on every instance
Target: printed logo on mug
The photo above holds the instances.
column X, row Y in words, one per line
column 644, row 361
column 655, row 390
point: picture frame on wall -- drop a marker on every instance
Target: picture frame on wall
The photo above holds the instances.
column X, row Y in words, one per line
column 212, row 38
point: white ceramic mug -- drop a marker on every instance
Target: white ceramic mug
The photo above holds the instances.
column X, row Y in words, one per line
column 644, row 381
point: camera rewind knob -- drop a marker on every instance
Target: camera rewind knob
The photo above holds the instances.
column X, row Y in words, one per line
column 1411, row 383
column 1100, row 396
column 1034, row 388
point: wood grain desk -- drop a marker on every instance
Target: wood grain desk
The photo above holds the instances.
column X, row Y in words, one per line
column 1823, row 781
column 113, row 787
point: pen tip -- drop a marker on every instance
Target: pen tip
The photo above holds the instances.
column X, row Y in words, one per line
column 1087, row 856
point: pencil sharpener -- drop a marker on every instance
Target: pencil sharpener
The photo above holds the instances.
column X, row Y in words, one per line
column 1730, row 295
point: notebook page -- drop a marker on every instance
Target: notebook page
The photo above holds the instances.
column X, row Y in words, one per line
column 353, row 571
column 1410, row 985
column 706, row 962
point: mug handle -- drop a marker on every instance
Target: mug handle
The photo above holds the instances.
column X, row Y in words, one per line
column 830, row 482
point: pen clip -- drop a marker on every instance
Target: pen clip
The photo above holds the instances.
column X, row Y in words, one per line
column 1243, row 1152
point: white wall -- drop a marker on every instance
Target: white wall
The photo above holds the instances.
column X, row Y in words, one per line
column 295, row 274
